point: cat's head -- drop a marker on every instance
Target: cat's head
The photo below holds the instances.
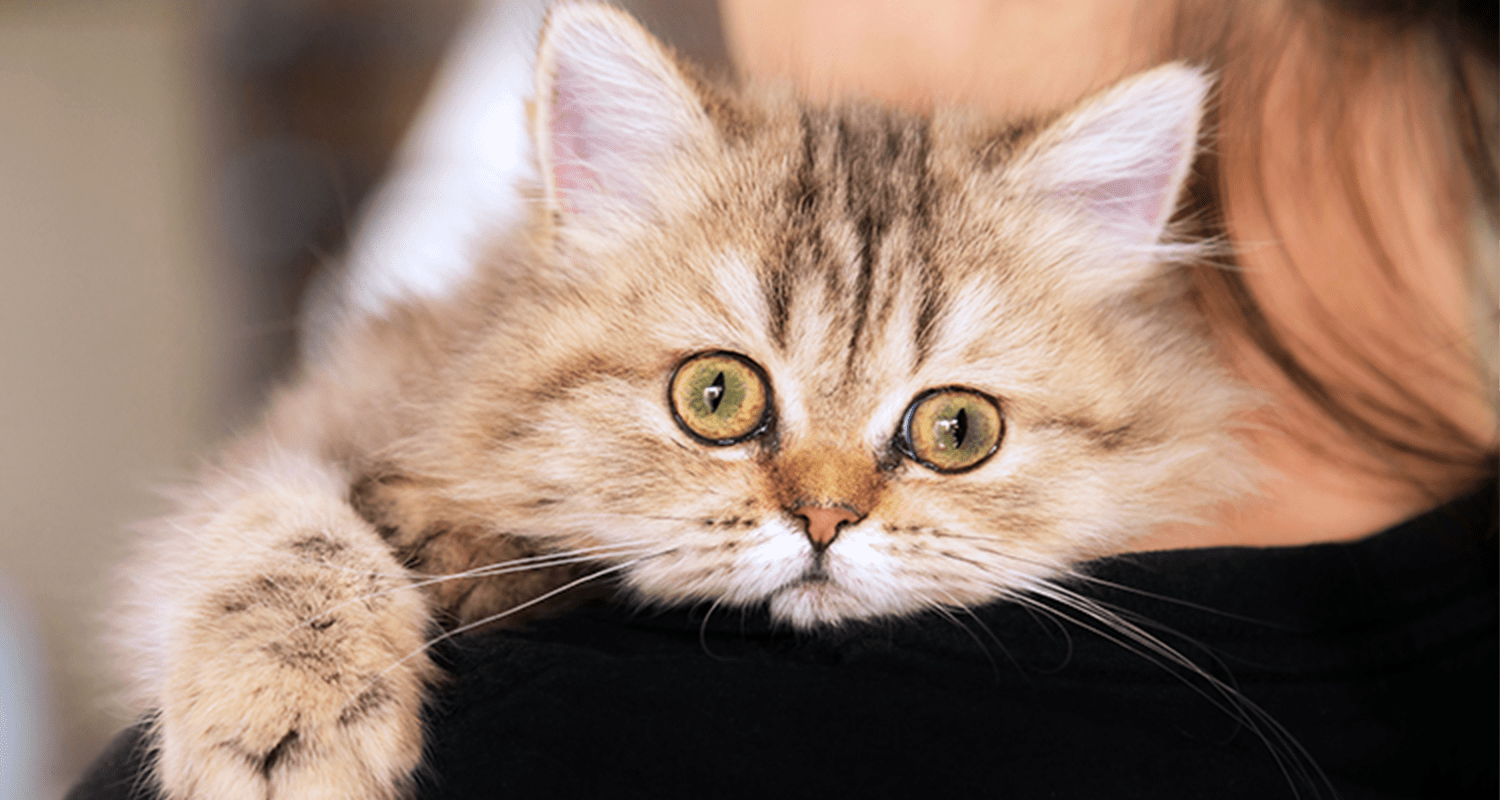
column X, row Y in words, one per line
column 841, row 359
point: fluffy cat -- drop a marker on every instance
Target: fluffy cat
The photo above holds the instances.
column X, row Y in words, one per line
column 842, row 360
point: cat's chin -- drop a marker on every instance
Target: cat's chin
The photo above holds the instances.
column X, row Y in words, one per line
column 816, row 603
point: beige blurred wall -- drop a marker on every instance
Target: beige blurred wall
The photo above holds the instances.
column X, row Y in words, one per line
column 108, row 348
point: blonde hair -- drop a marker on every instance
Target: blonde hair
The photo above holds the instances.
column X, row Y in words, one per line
column 1437, row 68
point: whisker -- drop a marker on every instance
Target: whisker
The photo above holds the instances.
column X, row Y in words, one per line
column 1146, row 622
column 562, row 558
column 1087, row 578
column 694, row 518
column 1133, row 639
column 1139, row 620
column 703, row 627
column 528, row 604
column 545, row 560
column 501, row 615
column 520, row 565
column 1296, row 764
column 281, row 553
column 947, row 613
column 996, row 639
column 1042, row 622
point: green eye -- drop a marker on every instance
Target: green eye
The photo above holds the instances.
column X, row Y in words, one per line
column 720, row 398
column 952, row 429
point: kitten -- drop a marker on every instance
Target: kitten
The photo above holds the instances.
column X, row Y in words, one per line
column 841, row 360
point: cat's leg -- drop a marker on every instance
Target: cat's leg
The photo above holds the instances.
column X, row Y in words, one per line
column 291, row 661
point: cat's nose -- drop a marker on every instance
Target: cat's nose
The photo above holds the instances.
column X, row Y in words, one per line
column 824, row 522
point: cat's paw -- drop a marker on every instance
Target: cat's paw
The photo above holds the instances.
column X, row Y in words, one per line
column 302, row 678
column 282, row 753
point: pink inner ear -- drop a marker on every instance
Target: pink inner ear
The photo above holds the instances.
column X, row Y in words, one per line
column 1138, row 202
column 1132, row 203
column 572, row 177
column 616, row 114
column 1124, row 164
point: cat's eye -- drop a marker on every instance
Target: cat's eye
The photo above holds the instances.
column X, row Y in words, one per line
column 952, row 429
column 720, row 398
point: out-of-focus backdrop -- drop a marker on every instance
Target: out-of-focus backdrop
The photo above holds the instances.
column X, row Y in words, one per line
column 172, row 173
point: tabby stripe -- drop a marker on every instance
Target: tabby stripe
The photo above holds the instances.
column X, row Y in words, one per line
column 860, row 183
column 930, row 280
column 802, row 238
column 868, row 232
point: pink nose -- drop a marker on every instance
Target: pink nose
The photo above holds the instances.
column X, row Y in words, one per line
column 823, row 523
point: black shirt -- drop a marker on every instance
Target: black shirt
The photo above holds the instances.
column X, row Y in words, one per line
column 1368, row 669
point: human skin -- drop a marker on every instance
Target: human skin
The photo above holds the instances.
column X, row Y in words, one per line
column 1322, row 288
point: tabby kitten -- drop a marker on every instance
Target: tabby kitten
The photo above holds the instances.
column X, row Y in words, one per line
column 841, row 360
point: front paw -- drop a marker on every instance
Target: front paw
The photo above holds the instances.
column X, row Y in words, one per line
column 248, row 744
column 304, row 683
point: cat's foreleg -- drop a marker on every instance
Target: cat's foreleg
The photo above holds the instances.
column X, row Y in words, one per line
column 291, row 658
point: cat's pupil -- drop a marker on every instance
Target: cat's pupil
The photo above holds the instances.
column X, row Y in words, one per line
column 955, row 428
column 713, row 394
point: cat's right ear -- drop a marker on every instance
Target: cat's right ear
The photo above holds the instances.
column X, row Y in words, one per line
column 611, row 109
column 1121, row 158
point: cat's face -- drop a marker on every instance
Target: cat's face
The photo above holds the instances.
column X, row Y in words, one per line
column 845, row 361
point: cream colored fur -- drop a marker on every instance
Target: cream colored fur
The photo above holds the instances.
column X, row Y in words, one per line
column 858, row 255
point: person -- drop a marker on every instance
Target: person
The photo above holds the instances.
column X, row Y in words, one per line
column 1341, row 626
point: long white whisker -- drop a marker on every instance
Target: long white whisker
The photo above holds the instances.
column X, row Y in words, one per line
column 546, row 559
column 945, row 609
column 1291, row 757
column 996, row 639
column 279, row 551
column 516, row 565
column 562, row 558
column 1087, row 578
column 501, row 615
column 1084, row 577
column 1133, row 639
column 703, row 628
column 529, row 603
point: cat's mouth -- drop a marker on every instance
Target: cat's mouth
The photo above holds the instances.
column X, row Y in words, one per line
column 815, row 574
column 815, row 579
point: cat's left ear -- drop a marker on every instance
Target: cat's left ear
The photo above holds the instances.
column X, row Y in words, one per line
column 612, row 108
column 1122, row 157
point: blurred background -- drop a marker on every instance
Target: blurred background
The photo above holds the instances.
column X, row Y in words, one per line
column 173, row 173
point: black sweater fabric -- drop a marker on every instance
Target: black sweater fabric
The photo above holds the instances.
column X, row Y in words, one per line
column 1359, row 670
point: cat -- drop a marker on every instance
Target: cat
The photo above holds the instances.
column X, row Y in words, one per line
column 841, row 360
